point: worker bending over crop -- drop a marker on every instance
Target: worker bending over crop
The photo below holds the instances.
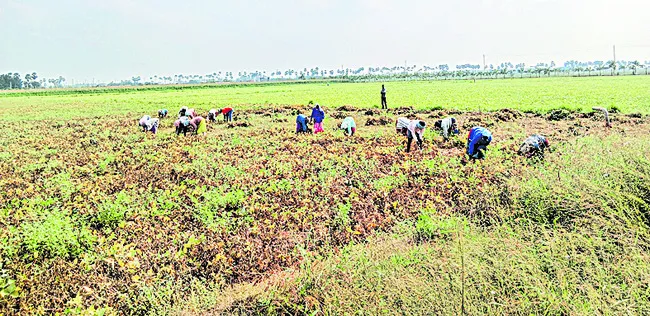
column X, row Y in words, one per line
column 191, row 113
column 182, row 112
column 199, row 125
column 534, row 146
column 149, row 124
column 349, row 126
column 301, row 124
column 318, row 115
column 182, row 125
column 402, row 125
column 447, row 126
column 162, row 113
column 212, row 115
column 477, row 141
column 227, row 114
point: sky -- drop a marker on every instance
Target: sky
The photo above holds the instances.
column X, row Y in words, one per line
column 110, row 40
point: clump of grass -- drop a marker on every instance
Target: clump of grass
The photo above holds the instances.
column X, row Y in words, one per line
column 55, row 235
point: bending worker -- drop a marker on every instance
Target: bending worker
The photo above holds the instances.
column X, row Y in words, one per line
column 227, row 114
column 182, row 125
column 301, row 124
column 447, row 126
column 349, row 126
column 212, row 115
column 162, row 113
column 534, row 146
column 477, row 141
column 199, row 125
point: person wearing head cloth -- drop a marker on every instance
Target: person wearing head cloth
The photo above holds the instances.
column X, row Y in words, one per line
column 162, row 113
column 191, row 113
column 349, row 126
column 534, row 146
column 477, row 141
column 212, row 115
column 402, row 125
column 182, row 125
column 301, row 124
column 318, row 115
column 199, row 125
column 227, row 114
column 182, row 112
column 447, row 126
column 415, row 130
column 152, row 125
column 143, row 122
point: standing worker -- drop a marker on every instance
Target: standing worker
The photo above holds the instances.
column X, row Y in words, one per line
column 318, row 115
column 162, row 113
column 448, row 126
column 301, row 124
column 384, row 104
column 199, row 125
column 477, row 141
column 349, row 126
column 534, row 146
column 227, row 114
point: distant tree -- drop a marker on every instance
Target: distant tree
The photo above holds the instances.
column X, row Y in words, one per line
column 634, row 65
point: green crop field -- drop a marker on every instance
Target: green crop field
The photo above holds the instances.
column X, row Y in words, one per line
column 99, row 218
column 629, row 94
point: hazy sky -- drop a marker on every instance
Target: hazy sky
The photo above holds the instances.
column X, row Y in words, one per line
column 115, row 39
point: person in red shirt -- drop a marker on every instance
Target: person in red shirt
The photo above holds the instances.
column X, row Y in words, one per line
column 227, row 114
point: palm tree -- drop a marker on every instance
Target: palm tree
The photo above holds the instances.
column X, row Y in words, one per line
column 634, row 65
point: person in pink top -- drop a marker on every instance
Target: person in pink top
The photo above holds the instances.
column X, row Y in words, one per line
column 191, row 113
column 199, row 125
column 415, row 129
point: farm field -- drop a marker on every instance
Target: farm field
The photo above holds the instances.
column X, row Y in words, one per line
column 98, row 218
column 629, row 94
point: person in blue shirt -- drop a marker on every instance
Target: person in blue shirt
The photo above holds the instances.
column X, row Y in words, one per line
column 477, row 141
column 301, row 124
column 318, row 115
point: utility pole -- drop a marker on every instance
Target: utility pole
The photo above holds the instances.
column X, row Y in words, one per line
column 614, row 50
column 483, row 61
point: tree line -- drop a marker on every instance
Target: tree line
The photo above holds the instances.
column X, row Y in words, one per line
column 14, row 80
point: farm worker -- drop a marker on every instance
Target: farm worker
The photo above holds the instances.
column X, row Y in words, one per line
column 227, row 114
column 534, row 146
column 477, row 141
column 415, row 130
column 349, row 126
column 318, row 115
column 162, row 113
column 182, row 112
column 212, row 115
column 402, row 125
column 152, row 125
column 448, row 126
column 384, row 104
column 301, row 124
column 199, row 125
column 191, row 113
column 143, row 122
column 182, row 125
